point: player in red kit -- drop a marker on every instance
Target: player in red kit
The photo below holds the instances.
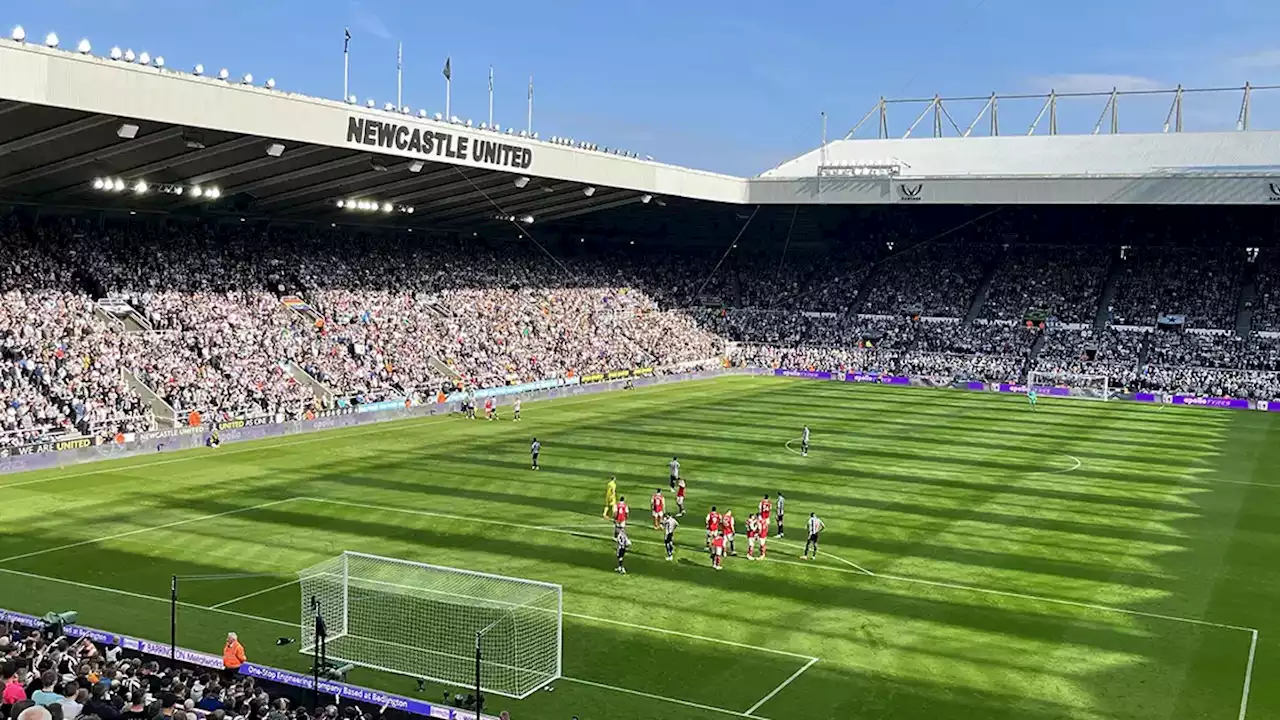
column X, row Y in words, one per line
column 620, row 516
column 753, row 535
column 488, row 408
column 658, row 505
column 766, row 509
column 726, row 529
column 680, row 497
column 717, row 551
column 713, row 524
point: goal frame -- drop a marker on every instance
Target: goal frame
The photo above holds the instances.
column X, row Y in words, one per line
column 1043, row 379
column 308, row 646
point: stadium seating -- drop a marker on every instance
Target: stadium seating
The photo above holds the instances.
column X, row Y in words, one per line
column 379, row 317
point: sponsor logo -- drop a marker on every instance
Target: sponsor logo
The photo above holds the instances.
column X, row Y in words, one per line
column 909, row 193
column 1275, row 191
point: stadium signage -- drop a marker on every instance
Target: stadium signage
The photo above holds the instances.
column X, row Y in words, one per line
column 243, row 423
column 1275, row 191
column 910, row 193
column 47, row 447
column 437, row 143
column 1218, row 402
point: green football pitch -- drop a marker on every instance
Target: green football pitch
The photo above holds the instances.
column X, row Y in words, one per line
column 981, row 560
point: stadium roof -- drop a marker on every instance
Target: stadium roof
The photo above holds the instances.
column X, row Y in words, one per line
column 77, row 130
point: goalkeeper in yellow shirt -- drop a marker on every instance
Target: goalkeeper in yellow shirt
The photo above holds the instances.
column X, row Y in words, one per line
column 611, row 497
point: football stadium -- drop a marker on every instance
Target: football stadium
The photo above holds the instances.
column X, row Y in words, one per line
column 318, row 408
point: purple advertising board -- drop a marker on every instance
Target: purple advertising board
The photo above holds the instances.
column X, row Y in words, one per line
column 811, row 374
column 975, row 386
column 877, row 378
column 1042, row 389
column 284, row 677
column 1145, row 397
column 1233, row 403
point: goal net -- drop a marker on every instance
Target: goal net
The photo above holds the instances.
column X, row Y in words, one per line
column 424, row 621
column 1069, row 384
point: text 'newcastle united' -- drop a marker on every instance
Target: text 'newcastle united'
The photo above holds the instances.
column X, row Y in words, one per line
column 435, row 143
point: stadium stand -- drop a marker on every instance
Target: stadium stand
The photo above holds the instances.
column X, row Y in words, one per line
column 200, row 318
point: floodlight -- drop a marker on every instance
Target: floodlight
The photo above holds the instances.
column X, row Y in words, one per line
column 199, row 70
column 484, row 126
column 98, row 183
column 351, row 203
column 160, row 61
column 129, row 56
column 468, row 122
column 405, row 109
column 369, row 103
column 141, row 187
column 588, row 191
column 223, row 74
column 19, row 34
column 388, row 107
column 119, row 185
column 127, row 131
column 248, row 79
column 646, row 199
column 535, row 136
column 386, row 207
column 410, row 211
column 454, row 119
column 422, row 113
column 521, row 181
column 51, row 40
column 195, row 191
column 341, row 203
column 213, row 193
column 271, row 83
column 438, row 117
column 524, row 133
column 416, row 166
column 145, row 58
column 84, row 47
column 116, row 53
column 352, row 99
column 275, row 150
column 527, row 219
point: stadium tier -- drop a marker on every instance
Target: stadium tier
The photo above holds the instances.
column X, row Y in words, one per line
column 184, row 255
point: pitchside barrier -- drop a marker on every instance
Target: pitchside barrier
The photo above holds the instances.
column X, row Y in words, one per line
column 374, row 700
column 164, row 441
column 167, row 441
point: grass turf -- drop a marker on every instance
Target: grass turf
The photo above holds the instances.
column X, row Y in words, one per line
column 1086, row 560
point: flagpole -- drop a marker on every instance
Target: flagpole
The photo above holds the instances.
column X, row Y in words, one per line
column 346, row 65
column 448, row 87
column 490, row 96
column 399, row 77
column 529, row 122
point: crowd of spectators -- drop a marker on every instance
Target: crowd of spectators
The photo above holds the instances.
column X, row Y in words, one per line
column 1200, row 284
column 394, row 316
column 1061, row 282
column 65, row 679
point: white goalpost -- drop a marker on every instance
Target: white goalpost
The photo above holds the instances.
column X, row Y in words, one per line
column 1081, row 385
column 435, row 623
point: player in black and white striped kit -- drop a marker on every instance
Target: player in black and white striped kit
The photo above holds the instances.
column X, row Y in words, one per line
column 815, row 527
column 674, row 467
column 534, row 448
column 669, row 526
column 804, row 442
column 624, row 542
column 781, row 507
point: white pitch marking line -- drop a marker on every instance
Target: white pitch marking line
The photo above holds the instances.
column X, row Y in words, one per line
column 663, row 698
column 264, row 591
column 837, row 558
column 778, row 689
column 1248, row 674
column 140, row 596
column 787, row 445
column 828, row 568
column 139, row 531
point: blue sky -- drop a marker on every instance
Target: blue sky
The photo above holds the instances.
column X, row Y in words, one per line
column 697, row 84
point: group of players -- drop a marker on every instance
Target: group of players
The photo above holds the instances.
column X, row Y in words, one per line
column 720, row 527
column 468, row 407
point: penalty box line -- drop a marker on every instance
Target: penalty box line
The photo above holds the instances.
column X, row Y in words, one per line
column 579, row 681
column 863, row 573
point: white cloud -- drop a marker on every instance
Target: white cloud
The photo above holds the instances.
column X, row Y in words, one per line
column 1265, row 60
column 362, row 18
column 1095, row 82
